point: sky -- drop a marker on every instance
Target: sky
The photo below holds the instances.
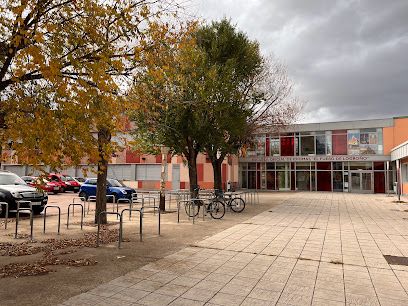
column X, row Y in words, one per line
column 348, row 59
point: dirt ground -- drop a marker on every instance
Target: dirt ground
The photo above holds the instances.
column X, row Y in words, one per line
column 72, row 264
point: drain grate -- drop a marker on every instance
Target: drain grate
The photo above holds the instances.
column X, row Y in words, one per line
column 396, row 260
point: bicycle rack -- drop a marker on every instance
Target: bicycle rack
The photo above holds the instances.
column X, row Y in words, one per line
column 6, row 215
column 158, row 209
column 59, row 216
column 73, row 207
column 111, row 196
column 31, row 221
column 99, row 225
column 81, row 199
column 91, row 199
column 140, row 221
column 150, row 197
column 189, row 209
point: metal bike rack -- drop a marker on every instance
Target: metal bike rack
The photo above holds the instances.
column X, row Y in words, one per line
column 158, row 209
column 7, row 212
column 111, row 196
column 31, row 221
column 82, row 201
column 73, row 207
column 149, row 198
column 140, row 221
column 189, row 209
column 91, row 199
column 99, row 225
column 59, row 216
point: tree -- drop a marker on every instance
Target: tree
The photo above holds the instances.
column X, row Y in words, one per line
column 66, row 66
column 172, row 88
column 245, row 92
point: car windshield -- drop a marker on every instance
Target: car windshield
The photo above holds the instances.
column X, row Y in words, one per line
column 69, row 178
column 11, row 179
column 115, row 183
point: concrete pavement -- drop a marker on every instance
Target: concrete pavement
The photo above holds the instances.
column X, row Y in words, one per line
column 313, row 249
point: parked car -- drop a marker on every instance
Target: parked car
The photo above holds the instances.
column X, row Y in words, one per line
column 57, row 179
column 114, row 187
column 14, row 189
column 72, row 183
column 80, row 180
column 67, row 183
column 42, row 183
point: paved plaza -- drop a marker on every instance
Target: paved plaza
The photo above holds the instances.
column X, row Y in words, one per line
column 312, row 249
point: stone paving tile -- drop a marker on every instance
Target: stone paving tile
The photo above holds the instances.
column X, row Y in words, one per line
column 313, row 249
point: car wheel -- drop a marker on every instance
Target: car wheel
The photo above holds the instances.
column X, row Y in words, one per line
column 83, row 194
column 37, row 210
column 2, row 211
column 55, row 192
column 62, row 189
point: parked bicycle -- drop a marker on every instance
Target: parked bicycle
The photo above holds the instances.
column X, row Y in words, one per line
column 214, row 206
column 231, row 200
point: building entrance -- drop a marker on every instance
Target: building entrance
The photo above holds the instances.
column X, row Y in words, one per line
column 361, row 181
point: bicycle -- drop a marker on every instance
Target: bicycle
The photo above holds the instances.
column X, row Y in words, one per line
column 232, row 201
column 214, row 207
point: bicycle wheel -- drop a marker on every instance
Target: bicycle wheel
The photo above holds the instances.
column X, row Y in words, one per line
column 192, row 210
column 216, row 209
column 237, row 205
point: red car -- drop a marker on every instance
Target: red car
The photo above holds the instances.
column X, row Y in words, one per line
column 56, row 178
column 68, row 183
column 42, row 183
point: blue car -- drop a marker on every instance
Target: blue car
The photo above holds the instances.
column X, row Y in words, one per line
column 113, row 187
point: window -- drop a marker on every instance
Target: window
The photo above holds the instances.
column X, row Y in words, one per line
column 328, row 143
column 260, row 145
column 274, row 146
column 302, row 166
column 321, row 144
column 92, row 182
column 307, row 145
column 404, row 171
column 361, row 165
column 287, row 146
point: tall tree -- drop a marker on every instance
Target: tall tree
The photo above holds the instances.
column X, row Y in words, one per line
column 245, row 91
column 65, row 69
column 173, row 92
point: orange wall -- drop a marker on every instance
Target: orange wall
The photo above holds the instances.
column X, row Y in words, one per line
column 394, row 136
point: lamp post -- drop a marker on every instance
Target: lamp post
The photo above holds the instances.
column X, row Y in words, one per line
column 164, row 151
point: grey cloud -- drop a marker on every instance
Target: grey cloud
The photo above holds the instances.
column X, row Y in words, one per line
column 348, row 58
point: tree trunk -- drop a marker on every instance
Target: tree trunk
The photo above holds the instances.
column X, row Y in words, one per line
column 217, row 166
column 191, row 156
column 104, row 137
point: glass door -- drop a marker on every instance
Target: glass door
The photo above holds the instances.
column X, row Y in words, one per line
column 361, row 182
column 283, row 177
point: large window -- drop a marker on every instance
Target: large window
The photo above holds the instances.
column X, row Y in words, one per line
column 260, row 145
column 287, row 145
column 307, row 145
column 321, row 144
column 274, row 146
